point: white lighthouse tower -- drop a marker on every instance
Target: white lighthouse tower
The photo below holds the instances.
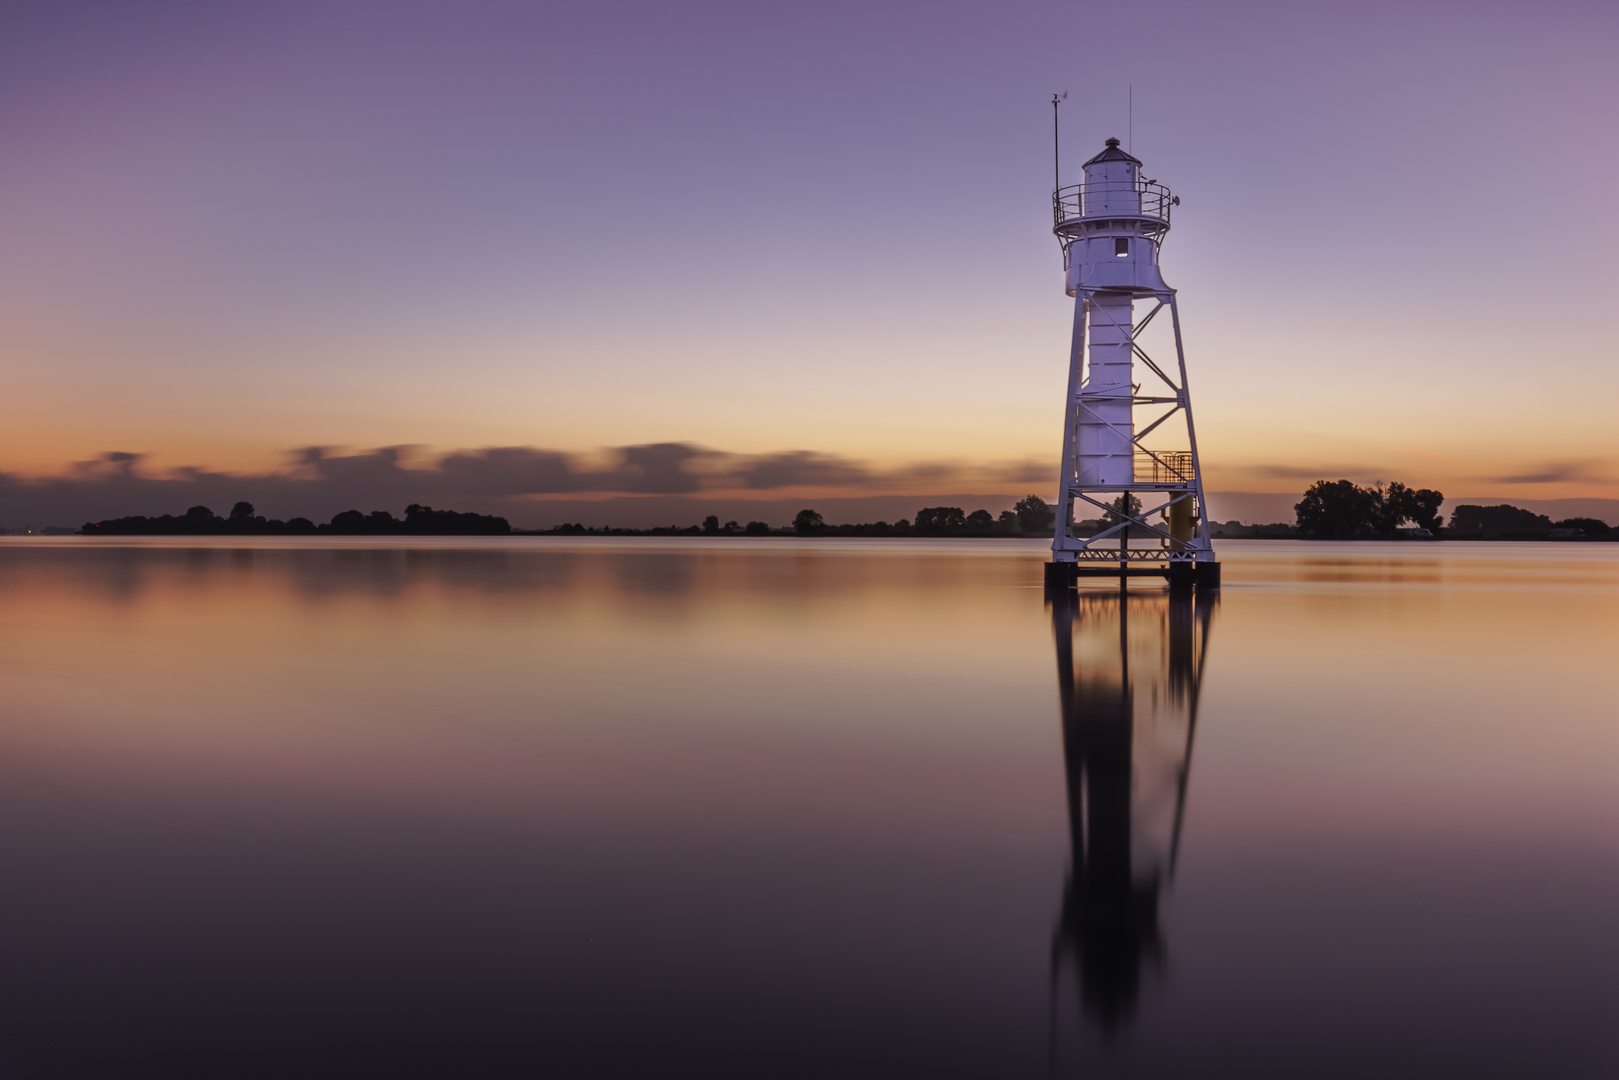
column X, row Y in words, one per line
column 1110, row 228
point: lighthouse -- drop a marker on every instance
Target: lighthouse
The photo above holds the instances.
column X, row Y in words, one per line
column 1129, row 451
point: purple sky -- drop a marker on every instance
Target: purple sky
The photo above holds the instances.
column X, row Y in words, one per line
column 228, row 232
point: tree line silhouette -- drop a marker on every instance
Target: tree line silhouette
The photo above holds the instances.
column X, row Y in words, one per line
column 1339, row 509
column 200, row 521
column 1030, row 515
column 1330, row 509
column 1509, row 522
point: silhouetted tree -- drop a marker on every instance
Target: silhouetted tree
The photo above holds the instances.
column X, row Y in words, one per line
column 940, row 519
column 1338, row 508
column 1034, row 515
column 1008, row 522
column 757, row 528
column 1125, row 506
column 1498, row 519
column 243, row 521
column 1589, row 526
column 808, row 522
column 1398, row 504
column 731, row 527
column 980, row 520
column 711, row 524
column 1424, row 508
column 424, row 520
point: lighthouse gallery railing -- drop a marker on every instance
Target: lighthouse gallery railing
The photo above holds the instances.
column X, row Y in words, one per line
column 1068, row 203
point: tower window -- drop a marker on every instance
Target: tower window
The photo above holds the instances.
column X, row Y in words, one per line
column 1121, row 247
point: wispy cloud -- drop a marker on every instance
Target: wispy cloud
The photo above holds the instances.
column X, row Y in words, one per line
column 801, row 468
column 1309, row 472
column 1561, row 472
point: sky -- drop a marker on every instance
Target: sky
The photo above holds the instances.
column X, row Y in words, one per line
column 516, row 253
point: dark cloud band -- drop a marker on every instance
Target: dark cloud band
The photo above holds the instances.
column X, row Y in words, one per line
column 320, row 481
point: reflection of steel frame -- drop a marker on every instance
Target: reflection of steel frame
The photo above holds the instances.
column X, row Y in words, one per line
column 1108, row 924
column 1176, row 476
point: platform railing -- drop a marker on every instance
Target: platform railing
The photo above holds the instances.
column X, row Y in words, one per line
column 1110, row 553
column 1078, row 201
column 1163, row 467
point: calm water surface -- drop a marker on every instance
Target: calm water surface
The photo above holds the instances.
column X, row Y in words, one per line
column 770, row 808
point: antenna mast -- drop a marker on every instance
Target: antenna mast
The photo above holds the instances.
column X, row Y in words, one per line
column 1056, row 143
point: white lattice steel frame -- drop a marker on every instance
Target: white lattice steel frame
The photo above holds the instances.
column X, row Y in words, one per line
column 1105, row 546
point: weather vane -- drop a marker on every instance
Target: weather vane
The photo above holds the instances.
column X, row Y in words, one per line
column 1056, row 142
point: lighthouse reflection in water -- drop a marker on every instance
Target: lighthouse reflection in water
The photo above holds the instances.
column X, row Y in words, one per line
column 1129, row 666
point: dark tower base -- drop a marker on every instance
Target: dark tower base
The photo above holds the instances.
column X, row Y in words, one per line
column 1202, row 576
column 1059, row 575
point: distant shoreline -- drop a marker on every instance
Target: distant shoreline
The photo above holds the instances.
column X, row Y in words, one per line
column 1030, row 519
column 774, row 534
